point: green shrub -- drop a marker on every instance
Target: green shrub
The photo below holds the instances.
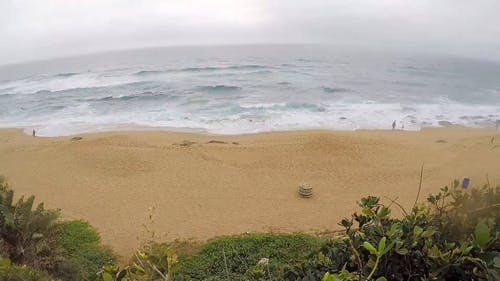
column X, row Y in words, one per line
column 454, row 237
column 37, row 239
column 27, row 235
column 153, row 263
column 83, row 254
column 10, row 272
column 249, row 257
column 238, row 257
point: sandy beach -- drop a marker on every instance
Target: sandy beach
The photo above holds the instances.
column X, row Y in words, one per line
column 203, row 186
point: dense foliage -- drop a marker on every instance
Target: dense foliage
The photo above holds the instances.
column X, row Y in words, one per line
column 10, row 272
column 27, row 235
column 250, row 257
column 38, row 241
column 84, row 256
column 455, row 235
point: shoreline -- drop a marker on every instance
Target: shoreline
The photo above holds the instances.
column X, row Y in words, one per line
column 205, row 185
column 139, row 128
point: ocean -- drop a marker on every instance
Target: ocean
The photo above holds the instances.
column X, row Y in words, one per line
column 248, row 89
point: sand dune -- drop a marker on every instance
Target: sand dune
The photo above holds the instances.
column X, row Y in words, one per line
column 204, row 186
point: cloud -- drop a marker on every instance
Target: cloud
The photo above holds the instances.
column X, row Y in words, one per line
column 40, row 29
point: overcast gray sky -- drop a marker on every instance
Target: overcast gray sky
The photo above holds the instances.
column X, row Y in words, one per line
column 42, row 29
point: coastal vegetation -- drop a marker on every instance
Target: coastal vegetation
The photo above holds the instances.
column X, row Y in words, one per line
column 35, row 243
column 454, row 235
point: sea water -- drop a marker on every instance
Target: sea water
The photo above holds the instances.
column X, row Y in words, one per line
column 248, row 89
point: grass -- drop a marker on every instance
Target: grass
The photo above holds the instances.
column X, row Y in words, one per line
column 238, row 256
column 85, row 255
column 11, row 272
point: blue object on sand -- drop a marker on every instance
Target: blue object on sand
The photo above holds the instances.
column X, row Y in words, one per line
column 465, row 183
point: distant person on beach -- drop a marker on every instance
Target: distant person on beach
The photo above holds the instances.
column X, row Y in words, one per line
column 402, row 125
column 394, row 125
column 34, row 133
column 497, row 124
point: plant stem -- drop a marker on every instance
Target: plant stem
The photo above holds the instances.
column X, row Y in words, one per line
column 269, row 272
column 393, row 201
column 355, row 252
column 374, row 268
column 419, row 185
column 225, row 264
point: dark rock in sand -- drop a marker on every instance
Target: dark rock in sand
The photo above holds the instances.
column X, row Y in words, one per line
column 217, row 141
column 185, row 143
column 76, row 138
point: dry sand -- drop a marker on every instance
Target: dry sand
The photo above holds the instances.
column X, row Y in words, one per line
column 246, row 184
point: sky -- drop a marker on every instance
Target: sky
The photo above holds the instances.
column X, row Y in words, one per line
column 34, row 29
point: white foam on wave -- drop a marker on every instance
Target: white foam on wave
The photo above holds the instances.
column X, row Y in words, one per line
column 311, row 93
column 40, row 83
column 271, row 117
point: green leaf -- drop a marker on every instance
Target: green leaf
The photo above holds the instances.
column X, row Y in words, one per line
column 5, row 262
column 107, row 277
column 450, row 245
column 417, row 231
column 389, row 247
column 328, row 277
column 37, row 235
column 370, row 247
column 381, row 279
column 383, row 212
column 370, row 201
column 346, row 223
column 482, row 234
column 496, row 262
column 467, row 250
column 8, row 216
column 395, row 229
column 370, row 263
column 434, row 252
column 428, row 233
column 381, row 246
column 368, row 212
column 402, row 251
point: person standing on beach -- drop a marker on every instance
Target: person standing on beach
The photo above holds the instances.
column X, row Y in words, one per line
column 394, row 125
column 34, row 133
